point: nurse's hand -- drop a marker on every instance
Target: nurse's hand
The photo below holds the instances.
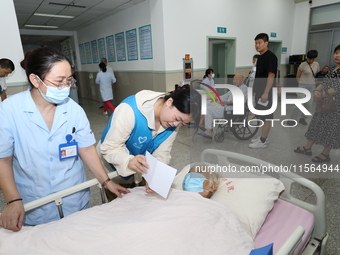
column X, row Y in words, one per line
column 138, row 164
column 12, row 216
column 116, row 189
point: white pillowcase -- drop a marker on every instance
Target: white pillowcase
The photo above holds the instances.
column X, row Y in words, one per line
column 250, row 199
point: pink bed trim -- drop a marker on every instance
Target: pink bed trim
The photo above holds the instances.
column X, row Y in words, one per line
column 281, row 222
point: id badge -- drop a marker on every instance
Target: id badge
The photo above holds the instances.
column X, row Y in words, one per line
column 69, row 149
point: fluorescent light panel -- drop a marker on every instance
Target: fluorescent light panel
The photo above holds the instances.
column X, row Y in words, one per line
column 53, row 15
column 41, row 26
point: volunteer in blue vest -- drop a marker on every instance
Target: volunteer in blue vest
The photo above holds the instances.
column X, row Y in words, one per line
column 147, row 121
column 44, row 139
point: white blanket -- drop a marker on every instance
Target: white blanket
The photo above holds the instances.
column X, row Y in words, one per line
column 139, row 223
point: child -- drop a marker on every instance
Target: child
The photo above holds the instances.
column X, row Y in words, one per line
column 199, row 179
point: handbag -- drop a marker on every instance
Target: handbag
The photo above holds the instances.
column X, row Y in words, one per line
column 326, row 104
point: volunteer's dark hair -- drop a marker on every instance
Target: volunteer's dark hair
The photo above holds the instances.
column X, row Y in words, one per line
column 41, row 60
column 187, row 100
column 207, row 72
column 312, row 54
column 6, row 63
column 262, row 36
column 102, row 66
column 256, row 56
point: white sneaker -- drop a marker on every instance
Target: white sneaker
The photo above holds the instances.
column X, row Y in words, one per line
column 105, row 113
column 258, row 139
column 258, row 145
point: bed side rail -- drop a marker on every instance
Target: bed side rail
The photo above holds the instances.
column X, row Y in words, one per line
column 287, row 178
column 57, row 197
column 289, row 246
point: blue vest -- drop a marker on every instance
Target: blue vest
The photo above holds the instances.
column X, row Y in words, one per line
column 140, row 139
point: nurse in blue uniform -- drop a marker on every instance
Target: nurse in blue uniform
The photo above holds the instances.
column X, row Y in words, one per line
column 44, row 139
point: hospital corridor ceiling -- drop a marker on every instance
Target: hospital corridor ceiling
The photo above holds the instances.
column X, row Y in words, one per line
column 76, row 14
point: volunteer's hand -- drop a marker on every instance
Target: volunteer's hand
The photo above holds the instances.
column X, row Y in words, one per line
column 12, row 216
column 148, row 190
column 138, row 164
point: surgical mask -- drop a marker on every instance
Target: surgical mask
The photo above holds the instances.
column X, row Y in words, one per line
column 194, row 182
column 55, row 95
column 213, row 76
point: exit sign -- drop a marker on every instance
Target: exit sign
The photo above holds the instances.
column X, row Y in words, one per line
column 222, row 30
column 272, row 34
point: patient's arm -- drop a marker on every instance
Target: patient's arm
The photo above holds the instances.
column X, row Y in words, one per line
column 13, row 214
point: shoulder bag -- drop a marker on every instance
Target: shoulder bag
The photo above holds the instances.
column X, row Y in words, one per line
column 326, row 104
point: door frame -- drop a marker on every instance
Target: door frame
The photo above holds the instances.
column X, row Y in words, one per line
column 230, row 53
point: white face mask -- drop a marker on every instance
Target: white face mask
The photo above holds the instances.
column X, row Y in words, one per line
column 213, row 76
column 55, row 95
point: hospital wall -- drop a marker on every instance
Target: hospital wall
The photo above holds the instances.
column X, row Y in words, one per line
column 182, row 27
column 10, row 43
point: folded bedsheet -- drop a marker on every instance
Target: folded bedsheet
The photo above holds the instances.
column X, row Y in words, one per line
column 138, row 223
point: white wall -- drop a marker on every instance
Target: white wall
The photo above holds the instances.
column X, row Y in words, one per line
column 10, row 42
column 188, row 23
column 182, row 27
column 300, row 28
column 134, row 17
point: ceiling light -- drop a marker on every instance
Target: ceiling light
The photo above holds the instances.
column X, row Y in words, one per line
column 69, row 5
column 53, row 15
column 41, row 26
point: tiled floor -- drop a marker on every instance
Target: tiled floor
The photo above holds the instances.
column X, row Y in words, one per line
column 279, row 152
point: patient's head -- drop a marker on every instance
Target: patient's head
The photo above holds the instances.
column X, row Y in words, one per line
column 200, row 179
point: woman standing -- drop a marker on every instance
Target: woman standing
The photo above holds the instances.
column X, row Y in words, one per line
column 105, row 80
column 306, row 79
column 147, row 121
column 324, row 127
column 36, row 126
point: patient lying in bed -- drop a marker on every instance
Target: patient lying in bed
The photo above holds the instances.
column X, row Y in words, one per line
column 200, row 180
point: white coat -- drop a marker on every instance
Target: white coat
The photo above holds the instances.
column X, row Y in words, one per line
column 105, row 80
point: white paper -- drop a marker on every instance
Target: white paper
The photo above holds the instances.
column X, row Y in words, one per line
column 261, row 103
column 159, row 176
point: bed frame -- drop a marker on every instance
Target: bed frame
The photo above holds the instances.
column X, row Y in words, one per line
column 318, row 240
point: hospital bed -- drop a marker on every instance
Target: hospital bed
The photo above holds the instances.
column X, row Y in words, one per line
column 294, row 226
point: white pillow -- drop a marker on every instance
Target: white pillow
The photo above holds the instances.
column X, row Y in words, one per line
column 250, row 199
column 178, row 180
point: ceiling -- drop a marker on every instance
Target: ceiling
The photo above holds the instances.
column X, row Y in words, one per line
column 86, row 12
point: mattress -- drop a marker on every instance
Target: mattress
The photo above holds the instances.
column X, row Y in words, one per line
column 281, row 222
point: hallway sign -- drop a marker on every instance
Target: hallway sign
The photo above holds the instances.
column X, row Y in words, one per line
column 222, row 30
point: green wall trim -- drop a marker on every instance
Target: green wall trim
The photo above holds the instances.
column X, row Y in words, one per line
column 21, row 83
column 148, row 71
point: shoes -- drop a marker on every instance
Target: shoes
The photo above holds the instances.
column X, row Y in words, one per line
column 303, row 151
column 258, row 139
column 105, row 113
column 317, row 159
column 302, row 121
column 258, row 145
column 204, row 135
column 291, row 123
column 101, row 107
